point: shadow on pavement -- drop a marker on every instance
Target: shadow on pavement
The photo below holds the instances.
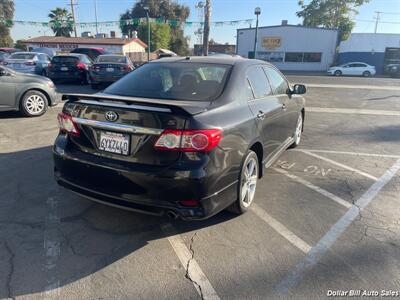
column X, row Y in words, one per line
column 34, row 212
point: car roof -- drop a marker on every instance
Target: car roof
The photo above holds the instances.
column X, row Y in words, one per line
column 26, row 52
column 226, row 60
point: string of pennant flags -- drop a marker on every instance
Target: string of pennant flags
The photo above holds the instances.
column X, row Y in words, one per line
column 136, row 21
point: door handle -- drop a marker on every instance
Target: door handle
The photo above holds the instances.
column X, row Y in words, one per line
column 283, row 106
column 261, row 115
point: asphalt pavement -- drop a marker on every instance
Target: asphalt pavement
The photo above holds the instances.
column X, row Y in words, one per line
column 325, row 220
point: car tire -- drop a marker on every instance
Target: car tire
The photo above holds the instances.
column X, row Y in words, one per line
column 248, row 178
column 33, row 104
column 338, row 73
column 44, row 73
column 366, row 74
column 298, row 132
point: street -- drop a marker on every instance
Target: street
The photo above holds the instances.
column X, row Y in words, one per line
column 326, row 215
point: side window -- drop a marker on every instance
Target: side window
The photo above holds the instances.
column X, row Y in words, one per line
column 259, row 82
column 277, row 80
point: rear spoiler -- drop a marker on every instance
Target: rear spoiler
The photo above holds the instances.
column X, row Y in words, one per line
column 158, row 105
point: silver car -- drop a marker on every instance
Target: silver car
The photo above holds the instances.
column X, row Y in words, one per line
column 28, row 62
column 27, row 93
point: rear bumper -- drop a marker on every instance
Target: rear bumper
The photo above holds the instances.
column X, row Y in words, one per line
column 143, row 189
column 66, row 76
column 99, row 79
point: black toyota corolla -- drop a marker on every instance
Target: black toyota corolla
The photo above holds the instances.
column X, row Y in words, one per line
column 186, row 137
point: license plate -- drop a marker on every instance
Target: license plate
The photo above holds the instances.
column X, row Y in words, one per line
column 114, row 142
column 64, row 69
column 110, row 69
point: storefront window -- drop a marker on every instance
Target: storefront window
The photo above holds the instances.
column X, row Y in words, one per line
column 271, row 56
column 294, row 57
column 312, row 57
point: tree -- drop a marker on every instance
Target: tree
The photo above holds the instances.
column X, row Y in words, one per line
column 160, row 35
column 163, row 10
column 334, row 14
column 6, row 15
column 20, row 45
column 62, row 22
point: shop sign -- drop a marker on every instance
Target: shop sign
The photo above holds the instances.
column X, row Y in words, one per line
column 272, row 42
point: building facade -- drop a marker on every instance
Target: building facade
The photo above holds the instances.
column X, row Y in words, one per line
column 64, row 44
column 290, row 47
column 376, row 49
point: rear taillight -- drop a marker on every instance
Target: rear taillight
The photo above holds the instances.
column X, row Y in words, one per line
column 81, row 66
column 67, row 124
column 189, row 140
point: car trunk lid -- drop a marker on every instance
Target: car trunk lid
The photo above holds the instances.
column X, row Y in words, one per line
column 135, row 124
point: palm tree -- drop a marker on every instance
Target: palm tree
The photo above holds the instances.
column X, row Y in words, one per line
column 61, row 22
column 6, row 16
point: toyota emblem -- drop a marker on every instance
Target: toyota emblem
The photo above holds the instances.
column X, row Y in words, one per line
column 111, row 116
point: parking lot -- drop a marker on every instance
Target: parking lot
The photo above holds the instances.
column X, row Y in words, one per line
column 325, row 219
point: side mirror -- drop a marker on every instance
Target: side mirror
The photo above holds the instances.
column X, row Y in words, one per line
column 299, row 89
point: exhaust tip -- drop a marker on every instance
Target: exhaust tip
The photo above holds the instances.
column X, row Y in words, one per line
column 172, row 215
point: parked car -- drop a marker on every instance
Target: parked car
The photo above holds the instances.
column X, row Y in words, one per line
column 9, row 50
column 353, row 69
column 49, row 51
column 93, row 53
column 109, row 68
column 28, row 62
column 29, row 94
column 394, row 70
column 3, row 56
column 71, row 67
column 185, row 137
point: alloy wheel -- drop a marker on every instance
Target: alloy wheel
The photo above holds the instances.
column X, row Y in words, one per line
column 35, row 104
column 249, row 182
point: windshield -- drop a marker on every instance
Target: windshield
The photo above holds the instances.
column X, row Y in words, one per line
column 112, row 59
column 175, row 81
column 22, row 56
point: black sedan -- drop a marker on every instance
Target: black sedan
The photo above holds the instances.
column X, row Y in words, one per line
column 71, row 67
column 186, row 137
column 109, row 68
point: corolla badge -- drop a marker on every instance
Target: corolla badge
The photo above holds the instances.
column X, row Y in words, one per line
column 111, row 116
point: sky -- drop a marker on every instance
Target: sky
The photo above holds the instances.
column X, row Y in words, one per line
column 272, row 13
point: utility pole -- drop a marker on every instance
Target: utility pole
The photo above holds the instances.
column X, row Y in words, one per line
column 206, row 30
column 73, row 16
column 95, row 15
column 378, row 18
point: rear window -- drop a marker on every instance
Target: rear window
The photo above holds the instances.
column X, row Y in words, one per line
column 112, row 59
column 64, row 59
column 174, row 81
column 22, row 56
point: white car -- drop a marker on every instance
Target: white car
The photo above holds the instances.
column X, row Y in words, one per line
column 353, row 69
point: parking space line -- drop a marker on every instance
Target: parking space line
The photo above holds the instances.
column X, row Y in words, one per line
column 315, row 188
column 281, row 229
column 353, row 111
column 194, row 272
column 341, row 165
column 335, row 232
column 347, row 153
